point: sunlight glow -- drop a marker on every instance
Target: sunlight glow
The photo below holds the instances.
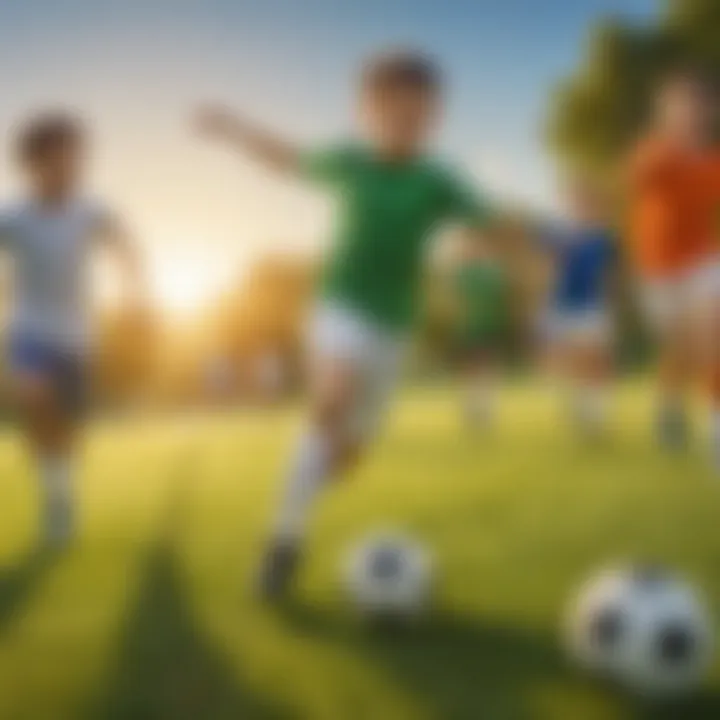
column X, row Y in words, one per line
column 182, row 281
column 182, row 289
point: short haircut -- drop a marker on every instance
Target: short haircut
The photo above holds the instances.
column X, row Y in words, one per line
column 400, row 69
column 691, row 74
column 44, row 133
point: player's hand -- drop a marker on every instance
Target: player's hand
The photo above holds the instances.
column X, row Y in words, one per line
column 214, row 121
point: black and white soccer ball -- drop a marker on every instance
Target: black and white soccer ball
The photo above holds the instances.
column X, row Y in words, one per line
column 389, row 576
column 644, row 628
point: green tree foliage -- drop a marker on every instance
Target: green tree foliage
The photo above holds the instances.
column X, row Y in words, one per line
column 599, row 110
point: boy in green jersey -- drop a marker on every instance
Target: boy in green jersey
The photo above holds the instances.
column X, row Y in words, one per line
column 391, row 198
column 481, row 297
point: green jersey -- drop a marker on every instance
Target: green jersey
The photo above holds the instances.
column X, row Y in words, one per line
column 482, row 291
column 387, row 212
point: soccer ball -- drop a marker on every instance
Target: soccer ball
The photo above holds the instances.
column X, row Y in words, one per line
column 388, row 575
column 644, row 628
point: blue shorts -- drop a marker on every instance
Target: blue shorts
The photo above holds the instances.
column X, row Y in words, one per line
column 66, row 370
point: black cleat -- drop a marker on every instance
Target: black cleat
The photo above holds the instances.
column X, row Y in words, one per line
column 278, row 570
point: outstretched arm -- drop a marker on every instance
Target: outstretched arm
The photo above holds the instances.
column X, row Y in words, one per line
column 221, row 124
column 479, row 218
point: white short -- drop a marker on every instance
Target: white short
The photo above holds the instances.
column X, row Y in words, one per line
column 339, row 333
column 586, row 327
column 667, row 302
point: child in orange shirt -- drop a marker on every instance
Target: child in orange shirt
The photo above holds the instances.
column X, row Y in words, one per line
column 675, row 220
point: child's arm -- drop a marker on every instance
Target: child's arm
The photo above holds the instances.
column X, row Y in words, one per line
column 114, row 235
column 233, row 130
column 480, row 218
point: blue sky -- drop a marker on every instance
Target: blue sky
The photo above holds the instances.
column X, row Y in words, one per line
column 136, row 66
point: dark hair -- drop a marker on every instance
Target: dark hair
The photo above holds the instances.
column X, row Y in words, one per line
column 692, row 74
column 46, row 132
column 402, row 69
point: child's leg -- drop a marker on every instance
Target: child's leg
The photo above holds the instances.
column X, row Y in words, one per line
column 51, row 435
column 588, row 341
column 714, row 373
column 705, row 325
column 595, row 368
column 568, row 362
column 572, row 366
column 324, row 450
column 557, row 359
column 668, row 319
column 674, row 373
column 354, row 376
column 479, row 389
column 337, row 345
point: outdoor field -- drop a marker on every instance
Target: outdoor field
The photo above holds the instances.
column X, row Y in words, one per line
column 149, row 615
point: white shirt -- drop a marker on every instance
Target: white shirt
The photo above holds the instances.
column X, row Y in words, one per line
column 49, row 247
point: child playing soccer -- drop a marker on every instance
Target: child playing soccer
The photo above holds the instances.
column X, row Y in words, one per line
column 481, row 293
column 577, row 325
column 48, row 236
column 674, row 229
column 391, row 196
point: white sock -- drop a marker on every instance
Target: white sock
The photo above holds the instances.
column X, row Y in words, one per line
column 56, row 479
column 587, row 405
column 480, row 400
column 594, row 403
column 305, row 480
column 575, row 401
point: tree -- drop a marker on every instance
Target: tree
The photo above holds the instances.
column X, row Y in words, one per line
column 599, row 110
column 125, row 361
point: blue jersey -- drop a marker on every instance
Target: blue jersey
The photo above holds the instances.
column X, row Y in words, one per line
column 584, row 258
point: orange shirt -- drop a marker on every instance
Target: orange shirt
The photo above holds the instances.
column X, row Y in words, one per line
column 674, row 208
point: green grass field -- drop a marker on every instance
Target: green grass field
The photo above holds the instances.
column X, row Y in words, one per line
column 149, row 615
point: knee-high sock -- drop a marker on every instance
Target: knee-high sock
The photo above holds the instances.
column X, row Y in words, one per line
column 480, row 399
column 588, row 403
column 57, row 490
column 308, row 473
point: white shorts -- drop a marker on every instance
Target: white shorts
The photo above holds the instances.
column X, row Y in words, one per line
column 667, row 302
column 375, row 354
column 586, row 327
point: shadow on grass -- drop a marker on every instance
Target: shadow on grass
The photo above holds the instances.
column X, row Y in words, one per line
column 457, row 668
column 463, row 670
column 18, row 583
column 705, row 706
column 166, row 668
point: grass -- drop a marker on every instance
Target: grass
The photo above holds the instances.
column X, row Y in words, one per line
column 149, row 615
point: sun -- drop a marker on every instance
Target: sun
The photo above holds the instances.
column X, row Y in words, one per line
column 180, row 284
column 188, row 280
column 182, row 288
